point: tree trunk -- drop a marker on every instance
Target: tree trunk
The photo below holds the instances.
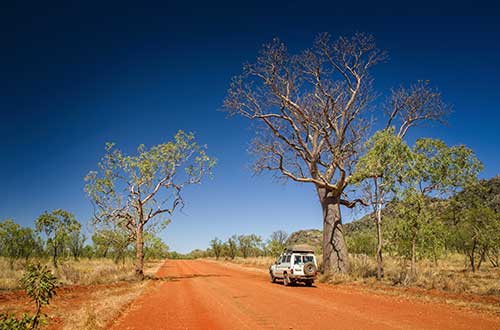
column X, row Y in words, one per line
column 54, row 257
column 139, row 253
column 413, row 267
column 482, row 257
column 335, row 255
column 104, row 255
column 472, row 257
column 380, row 266
column 493, row 256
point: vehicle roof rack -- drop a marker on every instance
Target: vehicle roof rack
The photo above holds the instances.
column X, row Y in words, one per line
column 300, row 248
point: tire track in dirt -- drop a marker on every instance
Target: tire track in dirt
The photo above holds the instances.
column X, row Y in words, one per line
column 200, row 294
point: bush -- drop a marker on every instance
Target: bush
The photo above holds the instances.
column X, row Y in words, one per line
column 40, row 286
column 10, row 322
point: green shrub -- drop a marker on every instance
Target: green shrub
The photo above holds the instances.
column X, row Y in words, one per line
column 40, row 286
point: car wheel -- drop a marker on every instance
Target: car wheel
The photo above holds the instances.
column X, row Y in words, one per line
column 286, row 280
column 273, row 279
column 309, row 282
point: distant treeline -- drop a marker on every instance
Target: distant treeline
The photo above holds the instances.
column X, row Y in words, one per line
column 58, row 235
column 240, row 246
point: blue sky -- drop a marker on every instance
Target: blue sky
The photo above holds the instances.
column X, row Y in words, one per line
column 77, row 75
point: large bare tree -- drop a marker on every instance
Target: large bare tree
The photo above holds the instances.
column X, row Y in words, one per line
column 313, row 113
column 312, row 108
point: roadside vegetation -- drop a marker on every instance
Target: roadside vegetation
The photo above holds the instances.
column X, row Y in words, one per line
column 122, row 243
column 458, row 250
column 95, row 278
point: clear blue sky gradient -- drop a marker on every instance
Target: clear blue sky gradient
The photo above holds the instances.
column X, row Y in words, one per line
column 77, row 75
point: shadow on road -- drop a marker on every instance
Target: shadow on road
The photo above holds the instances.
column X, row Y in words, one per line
column 183, row 277
column 295, row 285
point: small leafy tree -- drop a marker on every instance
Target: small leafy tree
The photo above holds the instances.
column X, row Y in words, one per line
column 136, row 191
column 232, row 246
column 57, row 226
column 248, row 244
column 362, row 242
column 101, row 243
column 88, row 252
column 434, row 169
column 380, row 170
column 154, row 247
column 277, row 242
column 112, row 242
column 217, row 246
column 40, row 286
column 76, row 241
column 17, row 242
column 475, row 224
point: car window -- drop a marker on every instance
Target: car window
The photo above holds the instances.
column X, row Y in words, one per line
column 288, row 258
column 297, row 260
column 308, row 259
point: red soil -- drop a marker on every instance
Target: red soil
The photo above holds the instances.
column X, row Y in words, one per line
column 199, row 294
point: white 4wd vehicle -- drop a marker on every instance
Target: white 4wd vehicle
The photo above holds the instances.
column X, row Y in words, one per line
column 295, row 264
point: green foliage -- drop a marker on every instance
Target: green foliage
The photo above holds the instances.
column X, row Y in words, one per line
column 17, row 242
column 39, row 283
column 249, row 245
column 111, row 242
column 277, row 243
column 387, row 155
column 40, row 286
column 88, row 252
column 232, row 246
column 475, row 225
column 58, row 226
column 362, row 242
column 415, row 227
column 434, row 168
column 217, row 247
column 129, row 191
column 144, row 174
column 76, row 240
column 154, row 247
column 11, row 322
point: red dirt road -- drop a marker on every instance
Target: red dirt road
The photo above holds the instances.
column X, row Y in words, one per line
column 207, row 295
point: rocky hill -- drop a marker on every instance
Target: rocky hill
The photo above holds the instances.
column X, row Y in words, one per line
column 312, row 237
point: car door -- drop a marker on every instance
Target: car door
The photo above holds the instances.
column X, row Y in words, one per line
column 276, row 266
column 282, row 265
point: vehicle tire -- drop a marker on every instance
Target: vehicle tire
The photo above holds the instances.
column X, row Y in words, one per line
column 273, row 279
column 309, row 282
column 309, row 268
column 286, row 280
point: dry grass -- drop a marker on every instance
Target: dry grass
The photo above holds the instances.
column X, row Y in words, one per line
column 71, row 272
column 100, row 307
column 256, row 262
column 449, row 275
column 92, row 292
column 103, row 306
